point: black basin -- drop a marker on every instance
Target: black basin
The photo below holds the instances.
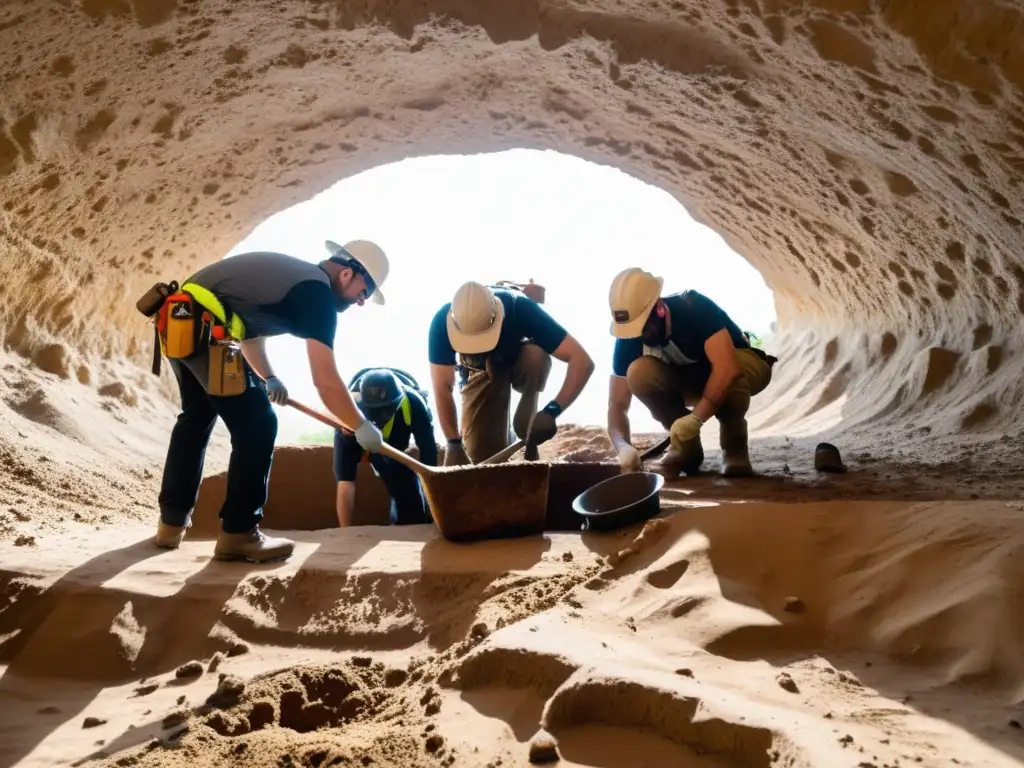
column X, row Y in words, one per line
column 619, row 501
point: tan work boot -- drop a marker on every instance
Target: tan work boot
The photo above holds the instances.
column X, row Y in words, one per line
column 253, row 546
column 687, row 460
column 735, row 457
column 170, row 536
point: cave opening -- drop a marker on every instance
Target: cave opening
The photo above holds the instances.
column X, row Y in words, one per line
column 521, row 214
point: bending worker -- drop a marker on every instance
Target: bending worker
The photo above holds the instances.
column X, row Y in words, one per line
column 677, row 351
column 499, row 340
column 248, row 298
column 398, row 409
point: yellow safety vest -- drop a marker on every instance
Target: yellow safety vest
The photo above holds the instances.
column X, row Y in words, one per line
column 406, row 414
column 206, row 297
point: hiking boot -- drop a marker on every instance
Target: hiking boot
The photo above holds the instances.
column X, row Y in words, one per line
column 735, row 457
column 736, row 463
column 170, row 536
column 687, row 460
column 253, row 546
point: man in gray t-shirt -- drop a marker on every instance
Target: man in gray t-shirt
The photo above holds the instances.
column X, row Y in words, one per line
column 272, row 294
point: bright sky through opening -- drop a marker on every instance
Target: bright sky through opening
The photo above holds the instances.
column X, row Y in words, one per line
column 568, row 224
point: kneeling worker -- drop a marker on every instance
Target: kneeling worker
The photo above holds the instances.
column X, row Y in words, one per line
column 500, row 340
column 399, row 411
column 677, row 351
column 212, row 331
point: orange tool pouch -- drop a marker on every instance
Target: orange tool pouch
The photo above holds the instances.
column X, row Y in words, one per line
column 151, row 304
column 176, row 326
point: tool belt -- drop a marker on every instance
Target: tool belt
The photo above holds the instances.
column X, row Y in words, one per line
column 494, row 364
column 189, row 319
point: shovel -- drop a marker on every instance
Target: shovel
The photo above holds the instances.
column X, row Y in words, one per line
column 474, row 502
column 503, row 454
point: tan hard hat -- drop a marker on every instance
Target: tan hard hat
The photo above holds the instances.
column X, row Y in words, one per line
column 475, row 318
column 631, row 298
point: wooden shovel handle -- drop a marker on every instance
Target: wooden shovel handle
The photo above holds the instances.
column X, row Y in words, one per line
column 400, row 456
column 504, row 453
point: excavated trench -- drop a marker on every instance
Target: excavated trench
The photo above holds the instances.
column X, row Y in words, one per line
column 302, row 493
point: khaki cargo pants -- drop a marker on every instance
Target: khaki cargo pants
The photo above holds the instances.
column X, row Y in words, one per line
column 667, row 390
column 487, row 396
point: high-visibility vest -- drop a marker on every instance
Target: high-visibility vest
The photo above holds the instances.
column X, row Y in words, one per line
column 209, row 301
column 406, row 409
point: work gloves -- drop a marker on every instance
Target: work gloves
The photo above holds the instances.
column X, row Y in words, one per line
column 544, row 427
column 629, row 459
column 455, row 454
column 368, row 437
column 276, row 391
column 685, row 429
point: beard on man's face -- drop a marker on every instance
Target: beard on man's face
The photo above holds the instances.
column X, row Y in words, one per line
column 340, row 302
column 655, row 330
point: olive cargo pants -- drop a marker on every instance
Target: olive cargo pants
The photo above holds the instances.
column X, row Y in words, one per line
column 667, row 390
column 487, row 396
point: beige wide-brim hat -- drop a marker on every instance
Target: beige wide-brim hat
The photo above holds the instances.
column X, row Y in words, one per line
column 474, row 320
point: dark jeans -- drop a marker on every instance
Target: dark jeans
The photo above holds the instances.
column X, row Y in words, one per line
column 251, row 420
column 408, row 504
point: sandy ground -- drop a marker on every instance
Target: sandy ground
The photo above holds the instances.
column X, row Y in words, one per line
column 864, row 619
column 868, row 633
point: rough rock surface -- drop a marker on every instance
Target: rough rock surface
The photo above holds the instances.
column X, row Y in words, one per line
column 864, row 155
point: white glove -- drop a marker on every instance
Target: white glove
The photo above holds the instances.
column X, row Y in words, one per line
column 629, row 459
column 368, row 436
column 277, row 391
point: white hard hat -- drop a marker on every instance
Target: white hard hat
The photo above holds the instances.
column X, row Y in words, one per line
column 370, row 256
column 474, row 322
column 631, row 298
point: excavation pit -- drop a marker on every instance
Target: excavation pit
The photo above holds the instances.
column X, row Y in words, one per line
column 303, row 491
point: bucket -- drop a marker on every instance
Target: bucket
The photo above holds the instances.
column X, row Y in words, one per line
column 622, row 500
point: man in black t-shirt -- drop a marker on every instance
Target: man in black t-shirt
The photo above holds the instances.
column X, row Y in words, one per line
column 253, row 296
column 499, row 340
column 677, row 351
column 399, row 411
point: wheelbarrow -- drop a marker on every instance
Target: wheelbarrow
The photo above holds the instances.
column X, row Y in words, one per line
column 489, row 500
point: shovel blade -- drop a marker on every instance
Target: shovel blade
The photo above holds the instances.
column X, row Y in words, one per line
column 488, row 502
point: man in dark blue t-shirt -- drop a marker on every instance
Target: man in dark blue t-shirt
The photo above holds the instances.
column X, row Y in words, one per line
column 400, row 412
column 252, row 296
column 499, row 340
column 677, row 351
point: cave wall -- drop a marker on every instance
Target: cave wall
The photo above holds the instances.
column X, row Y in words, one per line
column 864, row 155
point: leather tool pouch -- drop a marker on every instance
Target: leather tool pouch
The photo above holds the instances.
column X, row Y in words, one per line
column 227, row 369
column 154, row 298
